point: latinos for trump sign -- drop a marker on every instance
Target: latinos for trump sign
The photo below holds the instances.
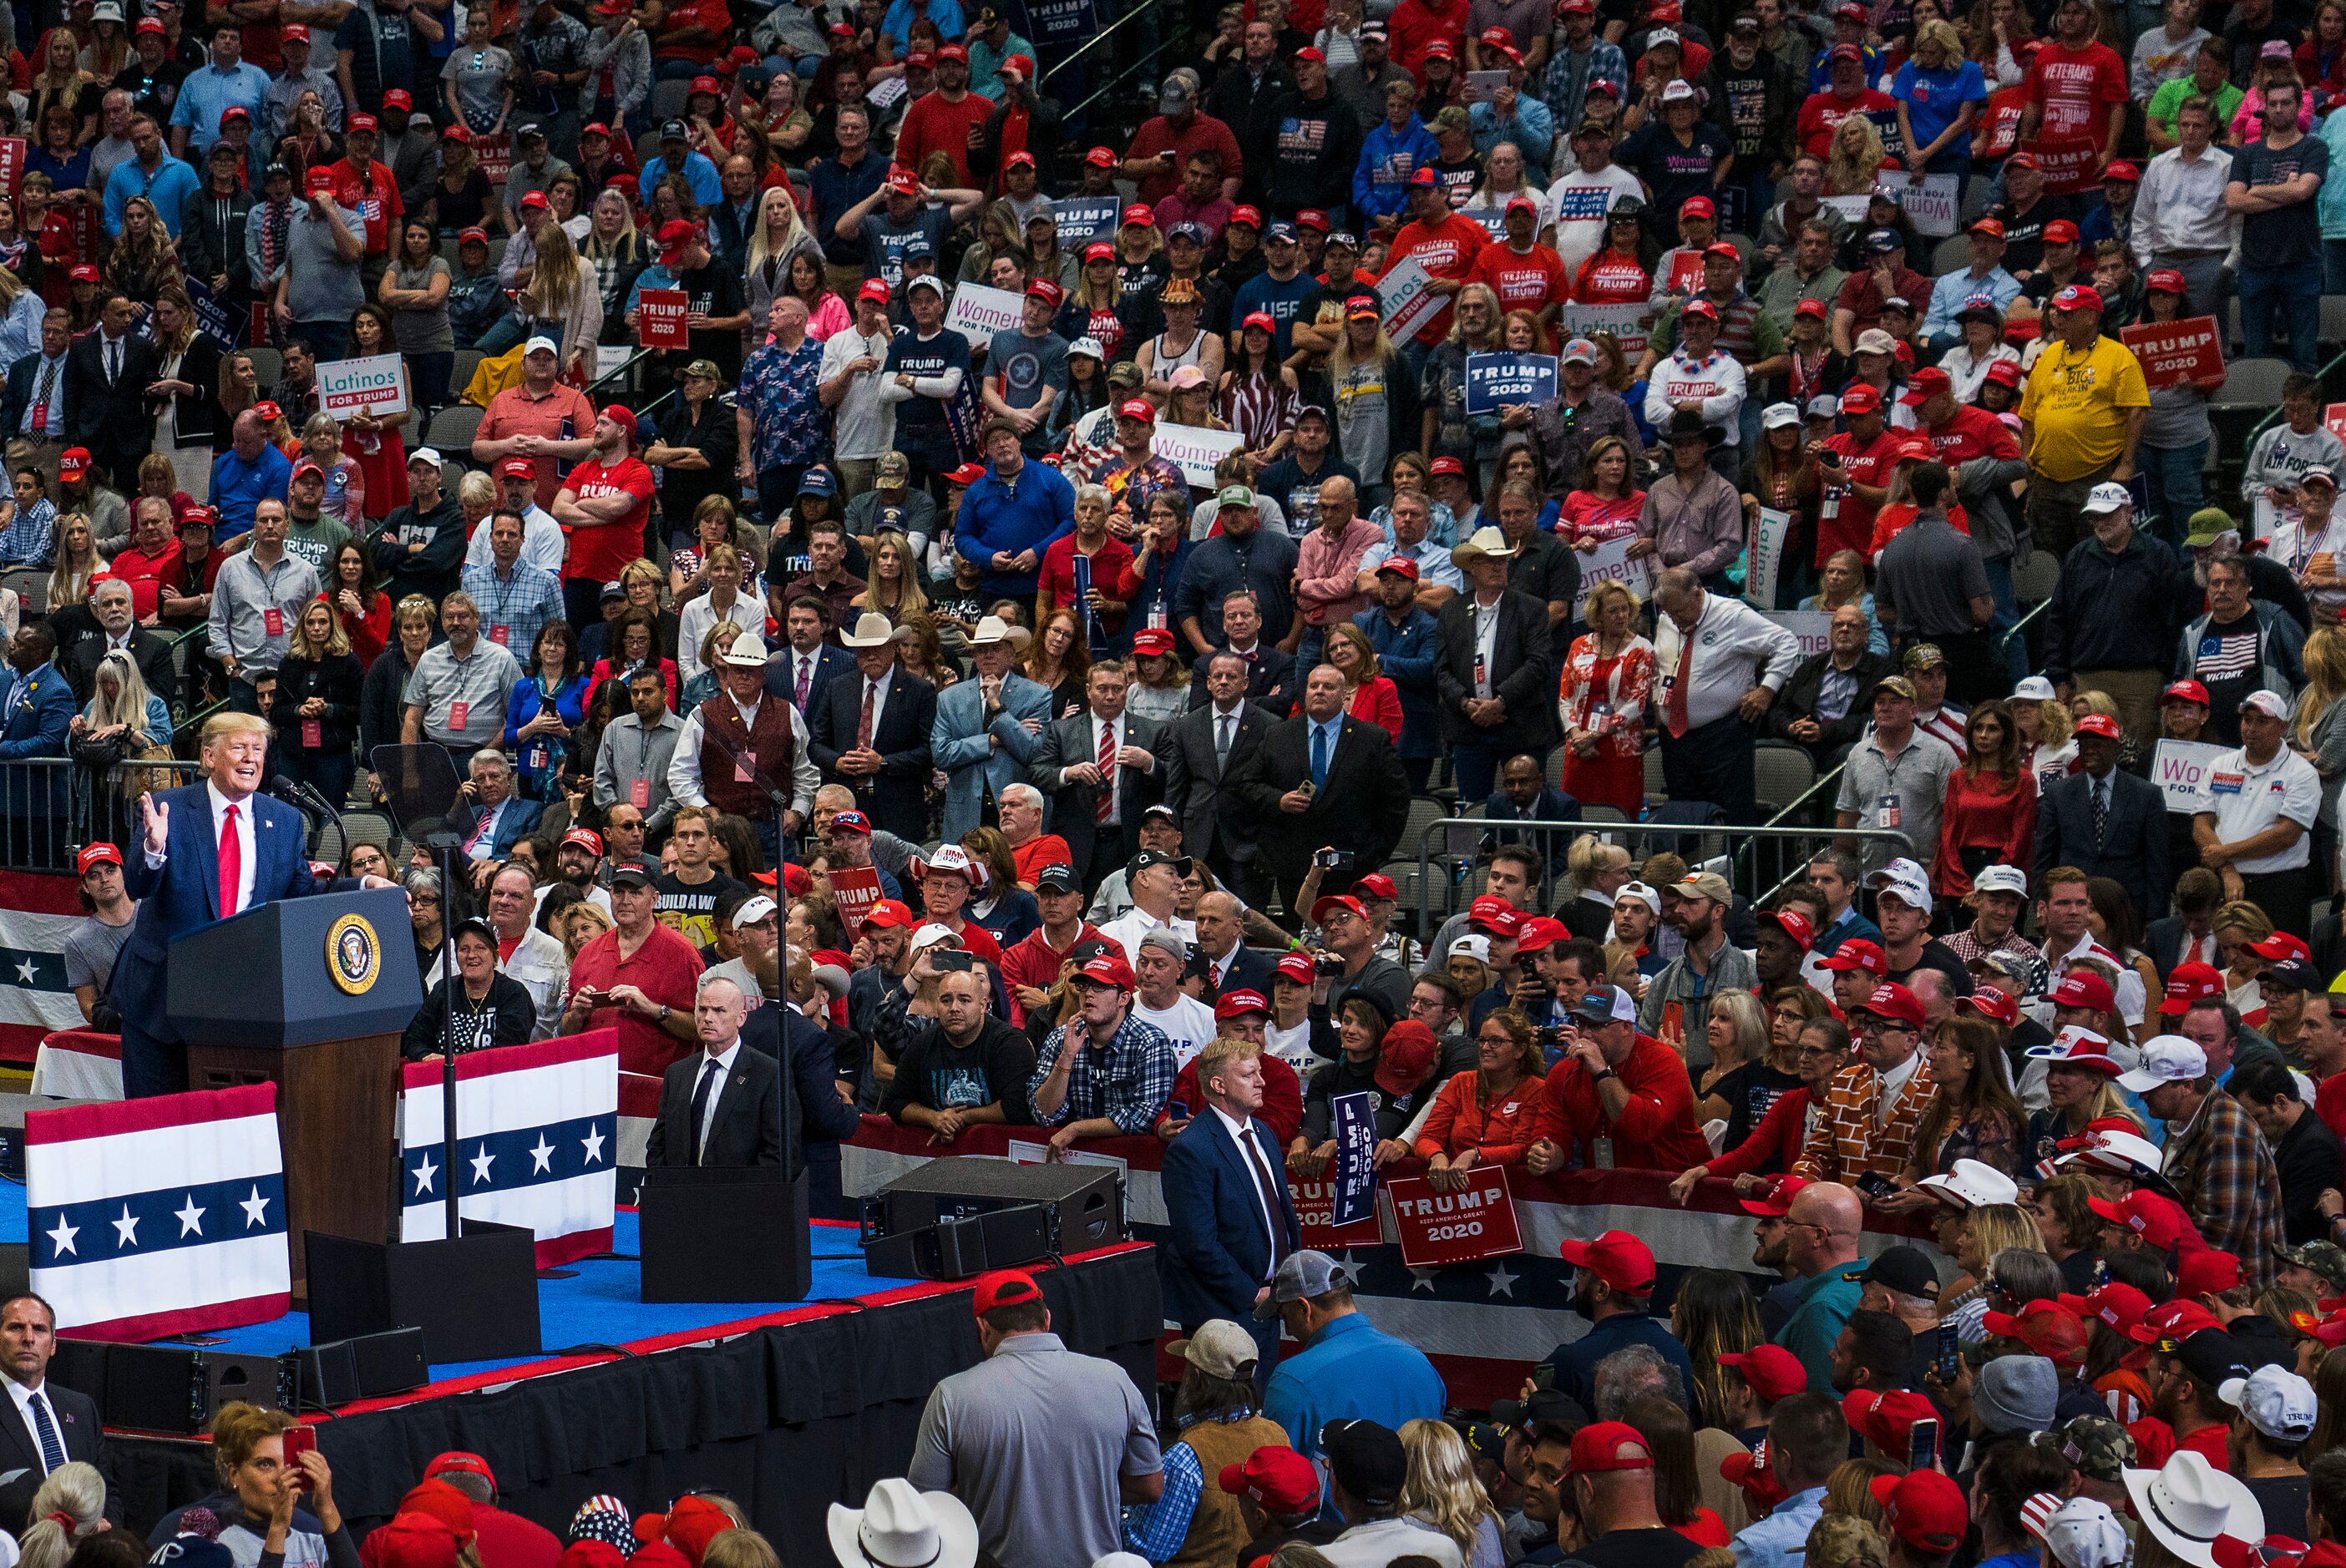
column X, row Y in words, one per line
column 1410, row 302
column 1477, row 1220
column 659, row 319
column 157, row 1216
column 1495, row 380
column 1626, row 322
column 2173, row 353
column 376, row 384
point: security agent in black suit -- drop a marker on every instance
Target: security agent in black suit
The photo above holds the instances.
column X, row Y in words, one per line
column 1205, row 750
column 1358, row 806
column 2131, row 848
column 776, row 1031
column 107, row 373
column 38, row 1409
column 1271, row 674
column 721, row 1106
column 891, row 775
column 1067, row 768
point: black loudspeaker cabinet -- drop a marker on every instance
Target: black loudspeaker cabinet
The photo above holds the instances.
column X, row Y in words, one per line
column 963, row 1248
column 338, row 1371
column 474, row 1298
column 960, row 1216
column 724, row 1233
column 170, row 1388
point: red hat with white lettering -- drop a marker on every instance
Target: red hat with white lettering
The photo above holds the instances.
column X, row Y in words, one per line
column 1239, row 1002
column 1859, row 397
column 1858, row 953
column 2188, row 983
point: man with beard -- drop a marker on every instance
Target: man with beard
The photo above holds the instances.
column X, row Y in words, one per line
column 963, row 1068
column 882, row 959
column 1613, row 1288
column 1852, row 1137
column 1677, row 1006
column 578, row 862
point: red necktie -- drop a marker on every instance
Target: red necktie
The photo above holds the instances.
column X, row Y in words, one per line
column 805, row 673
column 1108, row 770
column 232, row 864
column 864, row 725
column 1675, row 709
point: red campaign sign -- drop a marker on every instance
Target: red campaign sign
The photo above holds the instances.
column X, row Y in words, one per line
column 1315, row 1212
column 1477, row 1220
column 2173, row 353
column 2334, row 419
column 659, row 319
column 2068, row 166
column 494, row 155
column 854, row 891
column 1685, row 273
column 12, row 163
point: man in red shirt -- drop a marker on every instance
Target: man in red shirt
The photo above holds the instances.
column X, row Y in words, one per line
column 1525, row 274
column 1964, row 434
column 509, row 1540
column 1416, row 24
column 603, row 506
column 1163, row 146
column 1821, row 113
column 2077, row 101
column 152, row 558
column 688, row 38
column 1443, row 243
column 947, row 120
column 1033, row 964
column 1856, row 475
column 367, row 187
column 638, row 976
column 1620, row 1086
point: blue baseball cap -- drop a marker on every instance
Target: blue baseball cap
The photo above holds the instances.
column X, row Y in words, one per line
column 1282, row 229
column 819, row 482
column 919, row 251
column 1195, row 232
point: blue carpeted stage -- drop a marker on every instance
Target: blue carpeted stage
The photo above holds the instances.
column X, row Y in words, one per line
column 785, row 1407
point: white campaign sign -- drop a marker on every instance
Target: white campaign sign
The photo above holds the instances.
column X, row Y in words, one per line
column 1849, row 207
column 978, row 312
column 2180, row 769
column 1813, row 627
column 1767, row 557
column 1409, row 299
column 1195, row 449
column 376, row 384
column 1930, row 201
column 1610, row 563
column 1626, row 322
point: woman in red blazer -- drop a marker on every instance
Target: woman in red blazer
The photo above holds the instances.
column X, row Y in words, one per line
column 1776, row 1142
column 1990, row 816
column 1374, row 699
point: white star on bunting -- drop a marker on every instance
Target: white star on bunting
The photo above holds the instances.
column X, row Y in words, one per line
column 190, row 1218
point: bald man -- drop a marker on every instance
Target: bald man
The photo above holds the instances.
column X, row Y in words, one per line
column 1822, row 1237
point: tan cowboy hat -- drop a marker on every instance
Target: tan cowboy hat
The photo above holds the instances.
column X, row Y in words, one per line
column 991, row 629
column 872, row 631
column 1486, row 541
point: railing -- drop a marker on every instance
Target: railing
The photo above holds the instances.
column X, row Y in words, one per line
column 50, row 807
column 1743, row 870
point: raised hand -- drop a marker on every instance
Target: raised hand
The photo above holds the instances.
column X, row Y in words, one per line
column 155, row 818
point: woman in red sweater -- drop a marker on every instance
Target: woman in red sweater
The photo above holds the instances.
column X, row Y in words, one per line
column 363, row 609
column 1485, row 1117
column 1371, row 695
column 1991, row 812
column 1776, row 1142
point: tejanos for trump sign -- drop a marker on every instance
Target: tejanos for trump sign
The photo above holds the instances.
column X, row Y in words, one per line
column 167, row 1215
column 376, row 384
column 537, row 1129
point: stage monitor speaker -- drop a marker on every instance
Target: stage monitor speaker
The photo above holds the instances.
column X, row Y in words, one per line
column 724, row 1233
column 173, row 1388
column 338, row 1371
column 1083, row 1205
column 963, row 1248
column 473, row 1298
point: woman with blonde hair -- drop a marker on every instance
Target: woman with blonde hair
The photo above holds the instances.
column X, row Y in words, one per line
column 1598, row 868
column 69, row 1508
column 62, row 84
column 1366, row 389
column 893, row 587
column 78, row 562
column 1439, row 1490
column 21, row 310
column 2239, row 927
column 613, row 248
column 998, row 234
column 778, row 237
column 1841, row 580
column 1609, row 674
column 145, row 256
column 1191, row 401
column 562, row 295
column 1370, row 694
column 2044, row 724
column 2317, row 732
column 1736, row 1034
column 1854, row 157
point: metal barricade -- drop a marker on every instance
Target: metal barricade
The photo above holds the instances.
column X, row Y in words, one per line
column 1756, row 859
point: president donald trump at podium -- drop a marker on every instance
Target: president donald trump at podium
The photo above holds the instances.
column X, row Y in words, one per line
column 206, row 851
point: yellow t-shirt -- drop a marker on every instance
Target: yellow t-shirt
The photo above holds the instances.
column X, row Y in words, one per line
column 2075, row 405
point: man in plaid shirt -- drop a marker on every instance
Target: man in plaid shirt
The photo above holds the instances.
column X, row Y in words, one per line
column 2220, row 1163
column 515, row 598
column 1104, row 1072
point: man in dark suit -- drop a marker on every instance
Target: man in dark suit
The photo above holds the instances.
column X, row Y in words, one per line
column 181, row 873
column 1827, row 703
column 117, row 627
column 35, row 786
column 1205, row 750
column 1220, row 955
column 34, row 429
column 2124, row 837
column 1232, row 1219
column 46, row 1425
column 799, row 673
column 2189, row 935
column 1101, row 835
column 107, row 373
column 824, row 1119
column 722, row 1106
column 1270, row 672
column 884, row 757
column 1496, row 672
column 1325, row 780
column 488, row 817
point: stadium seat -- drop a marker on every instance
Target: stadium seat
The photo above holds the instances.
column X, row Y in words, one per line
column 451, row 430
column 1654, row 794
column 2251, row 390
column 1784, row 772
column 1951, row 255
column 2034, row 583
column 2333, row 321
column 268, row 365
column 669, row 98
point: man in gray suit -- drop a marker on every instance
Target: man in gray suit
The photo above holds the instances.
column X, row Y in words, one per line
column 989, row 729
column 1203, row 750
column 1102, row 769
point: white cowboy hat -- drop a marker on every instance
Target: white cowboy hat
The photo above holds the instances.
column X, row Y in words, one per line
column 747, row 652
column 2190, row 1502
column 993, row 629
column 900, row 1527
column 872, row 631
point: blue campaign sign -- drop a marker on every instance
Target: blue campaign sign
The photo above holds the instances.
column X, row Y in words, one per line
column 1352, row 1174
column 1494, row 380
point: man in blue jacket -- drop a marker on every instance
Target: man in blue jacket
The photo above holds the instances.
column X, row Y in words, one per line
column 34, row 794
column 1012, row 515
column 1403, row 635
column 1226, row 1190
column 1348, row 1368
column 1394, row 148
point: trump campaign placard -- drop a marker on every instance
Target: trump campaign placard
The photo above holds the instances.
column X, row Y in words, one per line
column 1813, row 627
column 2180, row 769
column 1195, row 449
column 659, row 319
column 1611, row 562
column 978, row 312
column 376, row 384
column 1477, row 1220
column 1410, row 302
column 1494, row 381
column 2173, row 353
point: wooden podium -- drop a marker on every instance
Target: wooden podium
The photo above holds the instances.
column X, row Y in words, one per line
column 309, row 994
